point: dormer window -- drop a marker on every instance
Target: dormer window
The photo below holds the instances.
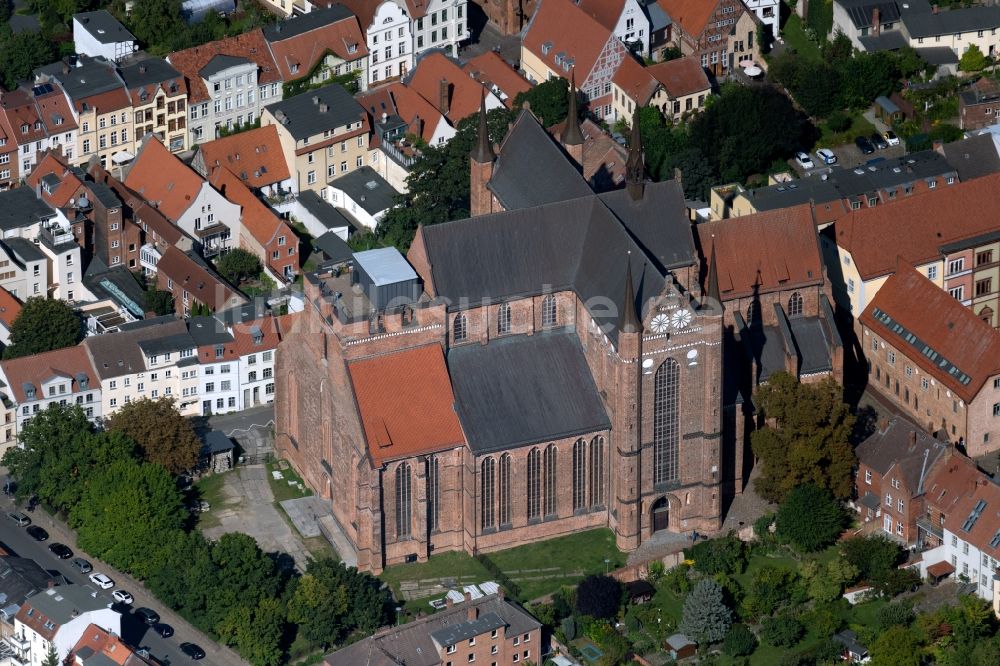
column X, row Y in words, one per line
column 24, row 128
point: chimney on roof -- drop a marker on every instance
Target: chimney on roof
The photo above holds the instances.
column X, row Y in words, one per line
column 448, row 603
column 472, row 613
column 315, row 99
column 142, row 68
column 468, row 597
column 876, row 22
column 500, row 594
column 883, row 424
column 444, row 101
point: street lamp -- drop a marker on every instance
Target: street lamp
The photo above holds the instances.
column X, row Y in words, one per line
column 607, row 566
column 399, row 610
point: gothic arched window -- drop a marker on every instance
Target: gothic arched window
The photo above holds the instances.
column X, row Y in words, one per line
column 488, row 493
column 597, row 471
column 503, row 319
column 795, row 305
column 534, row 484
column 505, row 462
column 666, row 393
column 549, row 310
column 433, row 493
column 579, row 474
column 550, row 479
column 459, row 328
column 403, row 501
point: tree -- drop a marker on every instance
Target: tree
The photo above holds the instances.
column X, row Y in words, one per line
column 770, row 588
column 163, row 435
column 706, row 618
column 739, row 641
column 160, row 25
column 20, row 54
column 810, row 441
column 782, row 631
column 599, row 596
column 872, row 556
column 972, row 60
column 722, row 555
column 866, row 76
column 809, row 519
column 51, row 658
column 246, row 573
column 890, row 615
column 549, row 101
column 42, row 325
column 159, row 301
column 238, row 265
column 256, row 632
column 826, row 582
column 898, row 646
column 124, row 512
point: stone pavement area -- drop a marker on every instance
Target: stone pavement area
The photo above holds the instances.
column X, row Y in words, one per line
column 312, row 517
column 249, row 507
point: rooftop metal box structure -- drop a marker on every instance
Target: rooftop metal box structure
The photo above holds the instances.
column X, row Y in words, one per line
column 386, row 277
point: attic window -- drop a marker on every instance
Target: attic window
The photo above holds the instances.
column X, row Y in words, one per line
column 295, row 68
column 546, row 47
column 353, row 48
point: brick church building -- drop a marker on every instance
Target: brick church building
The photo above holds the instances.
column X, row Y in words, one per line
column 548, row 366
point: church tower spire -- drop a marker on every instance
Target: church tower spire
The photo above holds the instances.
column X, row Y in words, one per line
column 483, row 151
column 481, row 167
column 635, row 167
column 714, row 296
column 630, row 319
column 572, row 136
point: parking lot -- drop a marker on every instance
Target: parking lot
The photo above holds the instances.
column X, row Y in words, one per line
column 848, row 157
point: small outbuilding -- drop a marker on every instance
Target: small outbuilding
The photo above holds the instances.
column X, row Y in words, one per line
column 217, row 451
column 639, row 591
column 680, row 646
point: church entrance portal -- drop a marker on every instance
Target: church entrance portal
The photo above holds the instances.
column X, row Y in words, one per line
column 661, row 515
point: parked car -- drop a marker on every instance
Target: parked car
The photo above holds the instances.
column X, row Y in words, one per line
column 19, row 518
column 804, row 160
column 864, row 145
column 193, row 651
column 101, row 581
column 122, row 596
column 878, row 141
column 37, row 533
column 891, row 138
column 164, row 630
column 147, row 615
column 61, row 551
column 826, row 156
column 82, row 564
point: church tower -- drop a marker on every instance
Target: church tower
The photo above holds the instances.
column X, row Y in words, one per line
column 481, row 167
column 626, row 430
column 572, row 137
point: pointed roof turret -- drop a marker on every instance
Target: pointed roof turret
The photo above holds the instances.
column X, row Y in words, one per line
column 483, row 152
column 572, row 136
column 635, row 166
column 630, row 319
column 714, row 296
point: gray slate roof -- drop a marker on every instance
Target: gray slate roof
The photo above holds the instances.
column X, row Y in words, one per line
column 104, row 27
column 532, row 170
column 119, row 354
column 167, row 344
column 333, row 247
column 295, row 26
column 463, row 631
column 20, row 207
column 19, row 578
column 220, row 63
column 658, row 221
column 329, row 216
column 208, row 331
column 24, row 249
column 891, row 445
column 367, row 189
column 949, row 22
column 860, row 11
column 889, row 40
column 62, row 604
column 148, row 72
column 304, row 117
column 93, row 77
column 973, row 157
column 524, row 389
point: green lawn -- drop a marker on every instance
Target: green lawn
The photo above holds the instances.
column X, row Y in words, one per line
column 796, row 38
column 210, row 490
column 281, row 488
column 859, row 127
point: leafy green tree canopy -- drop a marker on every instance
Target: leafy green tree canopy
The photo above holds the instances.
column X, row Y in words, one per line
column 163, row 435
column 972, row 60
column 159, row 301
column 549, row 101
column 43, row 324
column 599, row 596
column 238, row 265
column 810, row 519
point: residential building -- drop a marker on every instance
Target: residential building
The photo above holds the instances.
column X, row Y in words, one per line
column 943, row 371
column 99, row 34
column 254, row 155
column 24, row 269
column 100, row 647
column 625, row 18
column 454, row 93
column 101, row 106
column 461, row 457
column 313, row 48
column 768, row 12
column 974, row 157
column 561, row 40
column 720, row 33
column 229, row 81
column 193, row 283
column 256, row 343
column 979, row 106
column 438, row 24
column 894, row 464
column 485, row 630
column 57, row 618
column 185, row 198
column 159, row 102
column 10, row 307
column 677, row 88
column 319, row 216
column 20, row 578
column 34, row 119
column 364, row 194
column 389, row 37
column 497, row 76
column 323, row 133
column 218, row 366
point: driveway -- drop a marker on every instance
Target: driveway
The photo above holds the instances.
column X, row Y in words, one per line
column 248, row 507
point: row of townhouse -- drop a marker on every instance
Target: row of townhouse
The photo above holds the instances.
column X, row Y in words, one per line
column 204, row 365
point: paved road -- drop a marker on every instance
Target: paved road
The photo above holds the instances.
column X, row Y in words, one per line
column 134, row 632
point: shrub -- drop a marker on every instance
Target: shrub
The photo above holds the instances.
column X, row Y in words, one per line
column 656, row 571
column 723, row 555
column 599, row 596
column 782, row 631
column 568, row 627
column 739, row 641
column 894, row 614
column 838, row 121
column 810, row 519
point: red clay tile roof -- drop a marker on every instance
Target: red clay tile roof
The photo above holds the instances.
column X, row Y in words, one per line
column 148, row 218
column 492, row 70
column 250, row 45
column 775, row 250
column 255, row 156
column 161, row 178
column 417, row 8
column 34, row 370
column 940, row 569
column 680, row 77
column 106, row 102
column 950, row 479
column 406, row 404
column 203, row 284
column 19, row 109
column 605, row 12
column 571, row 32
column 984, row 529
column 53, row 107
column 465, row 94
column 306, row 49
column 636, row 81
column 421, row 116
column 10, row 307
column 262, row 223
column 691, row 15
column 363, row 9
column 110, row 646
column 915, row 227
column 244, row 344
column 954, row 332
column 601, row 153
column 69, row 183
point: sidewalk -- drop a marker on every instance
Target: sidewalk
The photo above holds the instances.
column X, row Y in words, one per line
column 214, row 653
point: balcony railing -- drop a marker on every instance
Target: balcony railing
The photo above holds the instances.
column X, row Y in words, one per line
column 927, row 525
